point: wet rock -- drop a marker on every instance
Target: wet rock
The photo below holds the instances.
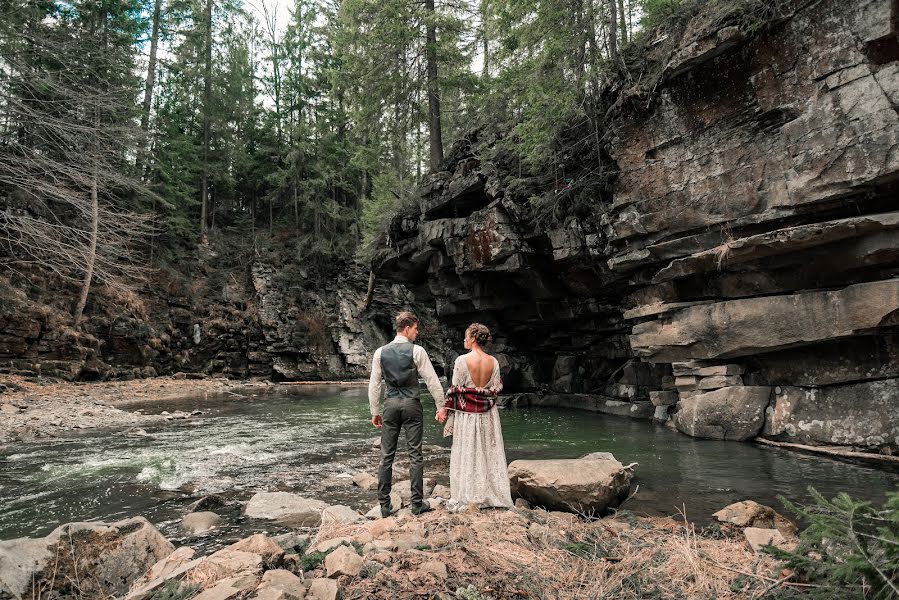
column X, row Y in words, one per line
column 200, row 522
column 206, row 503
column 731, row 413
column 290, row 509
column 109, row 557
column 343, row 561
column 588, row 486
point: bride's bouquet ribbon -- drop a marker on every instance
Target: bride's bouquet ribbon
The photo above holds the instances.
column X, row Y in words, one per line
column 467, row 399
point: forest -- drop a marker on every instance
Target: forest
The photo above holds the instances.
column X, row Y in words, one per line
column 132, row 130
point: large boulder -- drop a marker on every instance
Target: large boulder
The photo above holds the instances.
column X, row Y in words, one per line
column 589, row 485
column 731, row 413
column 88, row 560
column 862, row 414
column 286, row 508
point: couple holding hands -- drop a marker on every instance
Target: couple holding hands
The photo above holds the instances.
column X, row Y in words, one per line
column 468, row 411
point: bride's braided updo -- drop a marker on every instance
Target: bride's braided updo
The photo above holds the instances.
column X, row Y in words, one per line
column 479, row 333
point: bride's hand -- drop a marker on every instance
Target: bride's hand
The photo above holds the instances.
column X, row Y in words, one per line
column 441, row 415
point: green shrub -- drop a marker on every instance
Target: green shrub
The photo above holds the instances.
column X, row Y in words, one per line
column 849, row 547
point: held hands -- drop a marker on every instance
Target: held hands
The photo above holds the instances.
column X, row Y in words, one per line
column 441, row 415
column 376, row 421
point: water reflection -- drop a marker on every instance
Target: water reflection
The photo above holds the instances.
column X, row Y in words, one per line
column 300, row 438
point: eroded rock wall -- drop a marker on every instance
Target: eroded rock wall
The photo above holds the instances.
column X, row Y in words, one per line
column 741, row 275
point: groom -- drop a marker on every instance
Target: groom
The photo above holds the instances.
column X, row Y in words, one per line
column 399, row 364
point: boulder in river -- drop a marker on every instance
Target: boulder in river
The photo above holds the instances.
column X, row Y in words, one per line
column 730, row 413
column 90, row 560
column 200, row 522
column 286, row 508
column 583, row 485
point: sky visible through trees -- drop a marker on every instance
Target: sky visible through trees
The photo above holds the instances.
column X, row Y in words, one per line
column 181, row 119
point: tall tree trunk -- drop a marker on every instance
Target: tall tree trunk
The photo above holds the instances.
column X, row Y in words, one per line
column 613, row 26
column 622, row 23
column 485, row 72
column 433, row 90
column 148, row 88
column 91, row 258
column 207, row 97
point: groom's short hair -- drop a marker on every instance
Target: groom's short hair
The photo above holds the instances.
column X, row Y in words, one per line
column 404, row 319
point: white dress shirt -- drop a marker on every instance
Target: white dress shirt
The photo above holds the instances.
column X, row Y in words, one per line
column 425, row 370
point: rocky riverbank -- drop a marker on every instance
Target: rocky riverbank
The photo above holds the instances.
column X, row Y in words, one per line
column 333, row 552
column 30, row 410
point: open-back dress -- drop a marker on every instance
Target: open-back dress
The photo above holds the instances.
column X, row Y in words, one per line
column 478, row 459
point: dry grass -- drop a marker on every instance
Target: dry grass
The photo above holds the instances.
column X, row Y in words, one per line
column 534, row 554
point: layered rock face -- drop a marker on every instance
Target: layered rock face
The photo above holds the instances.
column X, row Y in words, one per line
column 743, row 272
column 220, row 313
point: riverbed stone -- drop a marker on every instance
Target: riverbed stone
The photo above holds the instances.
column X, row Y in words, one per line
column 758, row 537
column 286, row 508
column 404, row 489
column 731, row 413
column 748, row 513
column 280, row 584
column 200, row 522
column 231, row 587
column 343, row 561
column 322, row 589
column 339, row 513
column 366, row 481
column 110, row 556
column 587, row 486
column 292, row 542
column 264, row 546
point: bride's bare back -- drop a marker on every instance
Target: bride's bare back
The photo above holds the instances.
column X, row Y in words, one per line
column 480, row 368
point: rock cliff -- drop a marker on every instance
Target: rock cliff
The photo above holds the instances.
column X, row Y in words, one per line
column 741, row 271
column 232, row 310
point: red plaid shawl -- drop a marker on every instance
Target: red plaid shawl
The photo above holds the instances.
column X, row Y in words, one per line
column 470, row 399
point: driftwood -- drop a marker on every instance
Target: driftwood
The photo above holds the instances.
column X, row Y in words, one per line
column 831, row 451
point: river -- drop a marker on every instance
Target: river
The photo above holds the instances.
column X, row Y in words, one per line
column 303, row 438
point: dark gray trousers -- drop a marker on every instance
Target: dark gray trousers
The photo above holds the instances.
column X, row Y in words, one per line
column 405, row 414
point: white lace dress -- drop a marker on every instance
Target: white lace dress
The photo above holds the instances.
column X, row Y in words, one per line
column 478, row 459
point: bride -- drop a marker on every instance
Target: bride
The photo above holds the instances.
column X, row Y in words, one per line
column 478, row 460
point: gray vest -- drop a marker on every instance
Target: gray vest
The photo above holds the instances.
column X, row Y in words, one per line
column 400, row 372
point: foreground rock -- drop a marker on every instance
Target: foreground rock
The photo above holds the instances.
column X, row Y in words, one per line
column 587, row 486
column 286, row 508
column 748, row 513
column 89, row 560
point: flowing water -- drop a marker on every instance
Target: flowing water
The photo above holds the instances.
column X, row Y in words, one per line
column 303, row 438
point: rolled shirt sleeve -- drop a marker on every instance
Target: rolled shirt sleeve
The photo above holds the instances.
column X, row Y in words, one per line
column 376, row 384
column 426, row 371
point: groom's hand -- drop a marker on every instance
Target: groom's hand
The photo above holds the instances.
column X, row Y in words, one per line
column 376, row 421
